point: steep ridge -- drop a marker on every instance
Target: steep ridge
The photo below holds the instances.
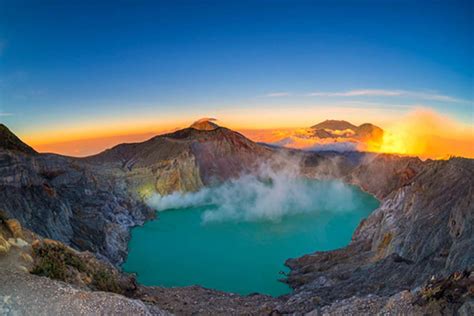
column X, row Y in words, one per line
column 10, row 141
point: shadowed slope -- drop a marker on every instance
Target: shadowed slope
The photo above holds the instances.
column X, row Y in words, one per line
column 10, row 141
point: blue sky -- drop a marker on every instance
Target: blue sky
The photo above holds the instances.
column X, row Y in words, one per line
column 73, row 62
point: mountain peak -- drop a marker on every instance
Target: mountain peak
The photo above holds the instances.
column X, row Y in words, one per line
column 205, row 124
column 10, row 141
column 334, row 125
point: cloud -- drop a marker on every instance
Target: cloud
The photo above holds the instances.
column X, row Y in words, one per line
column 5, row 114
column 389, row 93
column 277, row 94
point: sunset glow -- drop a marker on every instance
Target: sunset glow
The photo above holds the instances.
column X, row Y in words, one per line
column 427, row 134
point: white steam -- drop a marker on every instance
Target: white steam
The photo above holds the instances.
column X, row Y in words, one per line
column 268, row 195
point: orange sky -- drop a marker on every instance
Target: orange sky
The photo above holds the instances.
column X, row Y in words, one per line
column 258, row 118
column 420, row 132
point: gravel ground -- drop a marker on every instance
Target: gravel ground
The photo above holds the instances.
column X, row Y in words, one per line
column 26, row 294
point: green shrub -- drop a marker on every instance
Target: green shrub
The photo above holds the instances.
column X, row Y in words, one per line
column 52, row 260
column 56, row 261
column 104, row 280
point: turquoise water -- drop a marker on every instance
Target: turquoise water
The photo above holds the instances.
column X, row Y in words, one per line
column 238, row 255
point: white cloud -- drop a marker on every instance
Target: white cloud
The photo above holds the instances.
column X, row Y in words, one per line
column 5, row 114
column 277, row 94
column 352, row 93
column 389, row 93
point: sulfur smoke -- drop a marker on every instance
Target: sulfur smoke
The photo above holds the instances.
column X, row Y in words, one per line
column 267, row 195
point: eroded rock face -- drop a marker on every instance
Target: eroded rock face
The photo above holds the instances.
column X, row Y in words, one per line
column 183, row 161
column 380, row 175
column 67, row 200
column 181, row 175
column 422, row 228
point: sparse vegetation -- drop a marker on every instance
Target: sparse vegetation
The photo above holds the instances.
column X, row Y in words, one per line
column 57, row 261
column 104, row 280
column 53, row 259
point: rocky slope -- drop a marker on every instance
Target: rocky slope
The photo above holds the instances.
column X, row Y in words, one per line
column 10, row 141
column 22, row 293
column 184, row 160
column 63, row 199
column 423, row 228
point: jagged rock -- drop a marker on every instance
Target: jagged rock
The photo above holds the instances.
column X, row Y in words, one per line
column 15, row 228
column 422, row 228
column 180, row 175
column 83, row 207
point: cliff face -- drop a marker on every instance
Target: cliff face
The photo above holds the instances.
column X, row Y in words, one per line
column 66, row 200
column 422, row 228
column 382, row 174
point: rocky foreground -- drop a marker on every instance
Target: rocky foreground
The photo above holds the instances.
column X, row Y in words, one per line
column 413, row 255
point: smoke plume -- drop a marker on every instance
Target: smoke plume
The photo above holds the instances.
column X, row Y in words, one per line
column 269, row 194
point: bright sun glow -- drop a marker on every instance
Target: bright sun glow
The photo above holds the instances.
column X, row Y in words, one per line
column 427, row 134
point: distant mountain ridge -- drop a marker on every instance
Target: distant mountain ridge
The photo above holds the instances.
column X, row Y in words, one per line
column 344, row 129
column 334, row 124
column 331, row 135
